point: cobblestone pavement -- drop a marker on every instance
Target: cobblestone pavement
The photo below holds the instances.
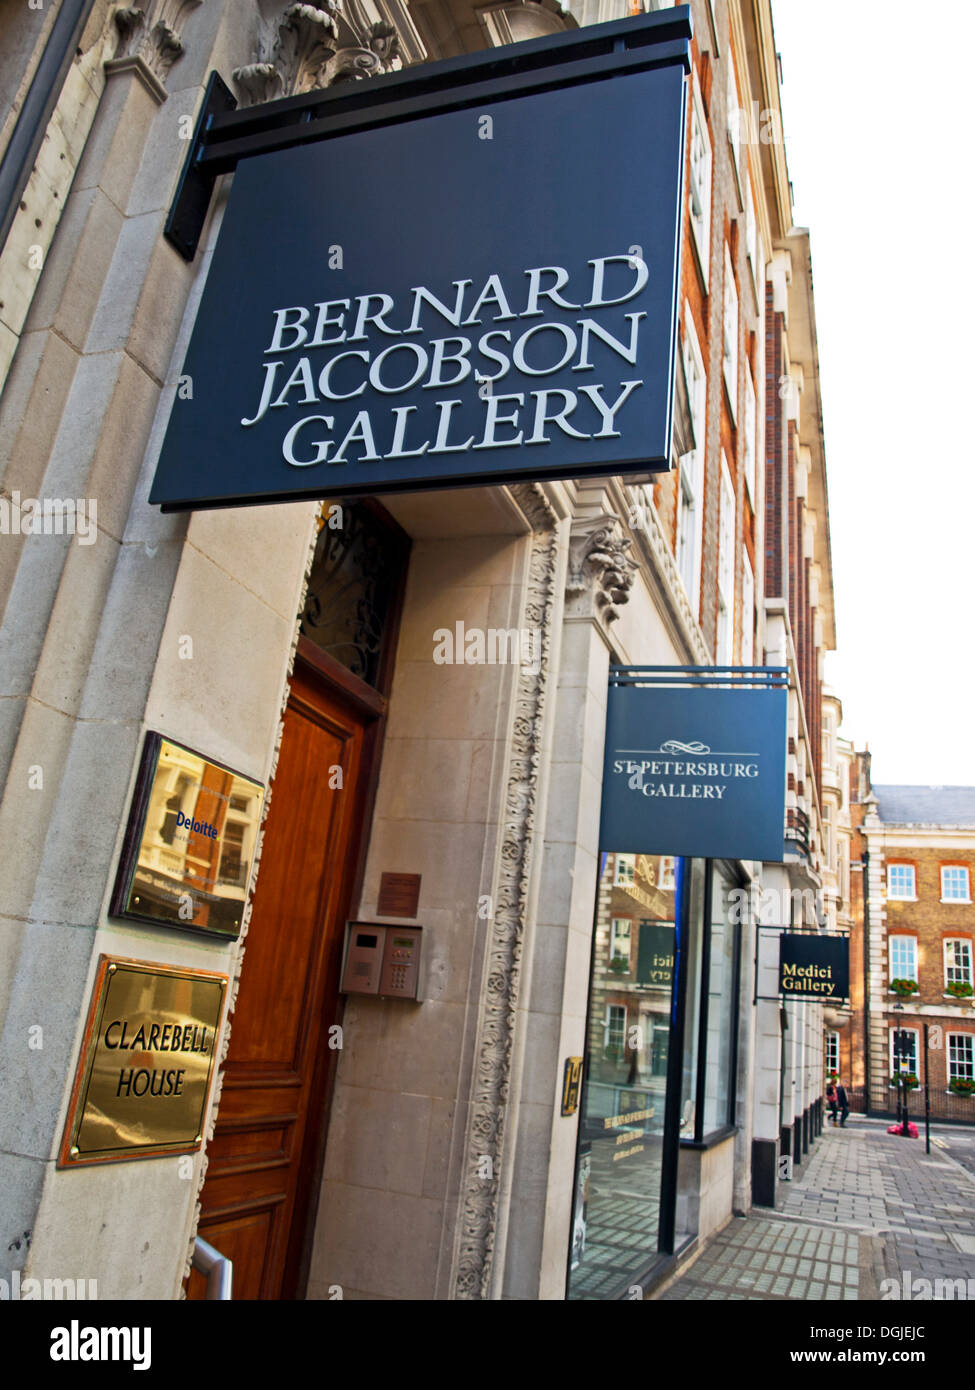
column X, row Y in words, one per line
column 865, row 1206
column 959, row 1144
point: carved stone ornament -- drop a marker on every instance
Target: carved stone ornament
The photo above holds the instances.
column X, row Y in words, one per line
column 153, row 35
column 598, row 562
column 314, row 46
column 491, row 1080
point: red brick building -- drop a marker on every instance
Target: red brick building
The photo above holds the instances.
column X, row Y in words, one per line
column 915, row 930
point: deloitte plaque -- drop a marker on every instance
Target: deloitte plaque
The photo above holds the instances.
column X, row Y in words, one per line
column 471, row 296
column 189, row 842
column 146, row 1064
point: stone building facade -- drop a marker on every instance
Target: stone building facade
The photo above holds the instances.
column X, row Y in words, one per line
column 426, row 1156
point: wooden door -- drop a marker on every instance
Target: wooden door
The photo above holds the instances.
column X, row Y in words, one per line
column 264, row 1159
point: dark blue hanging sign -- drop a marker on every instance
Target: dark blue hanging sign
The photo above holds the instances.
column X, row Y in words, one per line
column 472, row 295
column 695, row 762
column 812, row 966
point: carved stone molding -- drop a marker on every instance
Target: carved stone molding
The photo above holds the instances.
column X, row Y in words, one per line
column 154, row 35
column 495, row 1037
column 314, row 46
column 601, row 572
column 258, row 82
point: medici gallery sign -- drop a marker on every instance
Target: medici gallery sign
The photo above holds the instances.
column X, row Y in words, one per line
column 695, row 771
column 472, row 296
column 814, row 967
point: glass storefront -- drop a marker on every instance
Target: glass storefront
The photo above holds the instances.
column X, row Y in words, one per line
column 658, row 1069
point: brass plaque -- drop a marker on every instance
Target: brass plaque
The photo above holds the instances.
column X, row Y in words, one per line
column 571, row 1079
column 146, row 1063
column 399, row 895
column 190, row 842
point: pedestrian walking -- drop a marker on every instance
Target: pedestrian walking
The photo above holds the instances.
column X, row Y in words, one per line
column 831, row 1101
column 843, row 1101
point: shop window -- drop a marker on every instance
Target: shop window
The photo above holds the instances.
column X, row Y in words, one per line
column 832, row 1052
column 955, row 884
column 958, row 962
column 625, row 1212
column 717, row 1040
column 622, row 1106
column 901, row 881
column 903, row 958
column 961, row 1057
column 690, row 1121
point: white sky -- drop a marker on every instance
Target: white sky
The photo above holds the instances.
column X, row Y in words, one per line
column 877, row 117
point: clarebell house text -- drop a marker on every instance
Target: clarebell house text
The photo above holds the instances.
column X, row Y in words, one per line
column 538, row 350
column 168, row 1037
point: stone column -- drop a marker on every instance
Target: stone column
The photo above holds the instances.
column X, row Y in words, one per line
column 600, row 574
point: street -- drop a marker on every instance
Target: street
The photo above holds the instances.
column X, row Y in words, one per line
column 868, row 1215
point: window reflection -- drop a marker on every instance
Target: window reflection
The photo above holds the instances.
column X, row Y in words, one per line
column 630, row 1203
column 622, row 1114
column 721, row 1002
column 197, row 845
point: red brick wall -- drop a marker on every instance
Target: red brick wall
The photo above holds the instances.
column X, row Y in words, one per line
column 931, row 921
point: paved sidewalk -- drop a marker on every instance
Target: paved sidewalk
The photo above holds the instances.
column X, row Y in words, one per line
column 865, row 1206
